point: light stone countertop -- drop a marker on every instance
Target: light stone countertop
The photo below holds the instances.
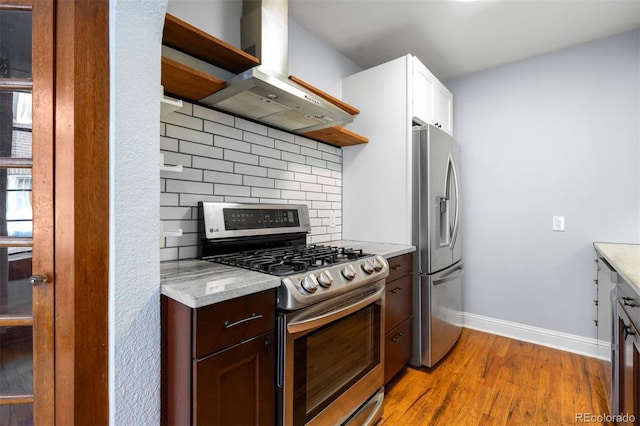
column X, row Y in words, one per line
column 197, row 283
column 385, row 250
column 625, row 258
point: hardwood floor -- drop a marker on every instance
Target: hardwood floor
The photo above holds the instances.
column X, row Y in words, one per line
column 493, row 380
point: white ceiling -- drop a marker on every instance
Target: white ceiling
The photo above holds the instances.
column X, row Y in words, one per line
column 456, row 38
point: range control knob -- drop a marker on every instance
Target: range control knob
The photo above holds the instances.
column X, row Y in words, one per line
column 367, row 267
column 376, row 264
column 325, row 279
column 348, row 272
column 309, row 283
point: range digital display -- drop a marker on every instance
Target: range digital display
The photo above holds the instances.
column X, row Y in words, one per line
column 240, row 219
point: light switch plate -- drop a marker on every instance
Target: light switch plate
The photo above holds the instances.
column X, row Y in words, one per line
column 558, row 224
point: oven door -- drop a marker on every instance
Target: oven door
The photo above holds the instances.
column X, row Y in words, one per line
column 330, row 357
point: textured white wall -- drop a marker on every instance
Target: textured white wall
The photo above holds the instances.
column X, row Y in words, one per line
column 557, row 134
column 134, row 276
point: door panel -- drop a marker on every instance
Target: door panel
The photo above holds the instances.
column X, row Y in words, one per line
column 26, row 212
column 435, row 200
column 441, row 304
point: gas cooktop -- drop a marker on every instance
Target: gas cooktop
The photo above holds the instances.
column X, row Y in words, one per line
column 283, row 261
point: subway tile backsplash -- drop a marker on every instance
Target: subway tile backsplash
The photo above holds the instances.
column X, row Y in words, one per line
column 227, row 158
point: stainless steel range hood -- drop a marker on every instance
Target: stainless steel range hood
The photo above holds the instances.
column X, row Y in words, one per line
column 264, row 93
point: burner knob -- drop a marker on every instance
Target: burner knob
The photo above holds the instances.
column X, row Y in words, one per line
column 367, row 267
column 309, row 283
column 376, row 264
column 325, row 279
column 348, row 272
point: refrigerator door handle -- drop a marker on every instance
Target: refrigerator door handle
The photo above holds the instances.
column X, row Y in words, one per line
column 444, row 222
column 450, row 276
column 456, row 220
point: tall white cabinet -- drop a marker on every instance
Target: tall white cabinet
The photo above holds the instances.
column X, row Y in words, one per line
column 377, row 183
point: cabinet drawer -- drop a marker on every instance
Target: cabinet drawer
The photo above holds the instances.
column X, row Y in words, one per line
column 397, row 301
column 630, row 301
column 397, row 349
column 226, row 323
column 400, row 266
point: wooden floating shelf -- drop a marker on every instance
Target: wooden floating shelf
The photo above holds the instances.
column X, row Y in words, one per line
column 189, row 83
column 337, row 136
column 335, row 101
column 195, row 42
column 186, row 82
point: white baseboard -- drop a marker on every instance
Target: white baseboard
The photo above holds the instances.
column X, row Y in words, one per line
column 540, row 336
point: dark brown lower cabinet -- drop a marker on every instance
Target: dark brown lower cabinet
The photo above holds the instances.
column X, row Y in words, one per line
column 218, row 362
column 236, row 386
column 398, row 318
column 397, row 349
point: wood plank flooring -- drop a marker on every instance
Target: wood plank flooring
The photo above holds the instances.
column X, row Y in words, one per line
column 493, row 380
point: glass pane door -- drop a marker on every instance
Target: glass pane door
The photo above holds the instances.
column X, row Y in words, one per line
column 16, row 218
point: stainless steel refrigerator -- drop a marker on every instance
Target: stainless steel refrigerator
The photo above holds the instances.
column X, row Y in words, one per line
column 437, row 234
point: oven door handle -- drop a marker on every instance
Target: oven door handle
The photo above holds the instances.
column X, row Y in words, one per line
column 299, row 326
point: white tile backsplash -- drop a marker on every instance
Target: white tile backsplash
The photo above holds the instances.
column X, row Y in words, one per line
column 230, row 159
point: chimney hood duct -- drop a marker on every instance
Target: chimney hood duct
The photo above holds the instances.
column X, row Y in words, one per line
column 264, row 93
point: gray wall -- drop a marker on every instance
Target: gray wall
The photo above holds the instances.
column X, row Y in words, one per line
column 553, row 135
column 312, row 59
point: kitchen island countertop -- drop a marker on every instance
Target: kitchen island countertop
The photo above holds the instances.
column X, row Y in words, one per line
column 197, row 283
column 625, row 258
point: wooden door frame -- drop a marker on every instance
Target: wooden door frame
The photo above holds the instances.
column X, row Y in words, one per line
column 43, row 60
column 81, row 211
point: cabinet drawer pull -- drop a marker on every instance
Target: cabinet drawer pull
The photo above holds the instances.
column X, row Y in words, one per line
column 397, row 337
column 628, row 301
column 627, row 331
column 254, row 316
column 396, row 290
column 394, row 267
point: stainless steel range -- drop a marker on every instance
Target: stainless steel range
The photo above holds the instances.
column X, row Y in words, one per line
column 330, row 307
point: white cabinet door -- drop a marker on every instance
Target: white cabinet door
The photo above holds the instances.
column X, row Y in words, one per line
column 443, row 108
column 424, row 88
column 432, row 102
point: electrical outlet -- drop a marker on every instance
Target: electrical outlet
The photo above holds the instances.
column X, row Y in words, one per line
column 558, row 224
column 332, row 219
